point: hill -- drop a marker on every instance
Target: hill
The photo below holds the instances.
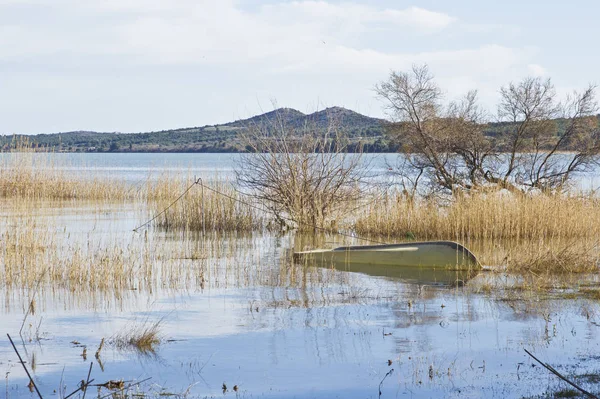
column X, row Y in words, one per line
column 209, row 138
column 360, row 129
column 286, row 115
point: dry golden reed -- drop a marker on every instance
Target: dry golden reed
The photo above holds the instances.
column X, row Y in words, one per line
column 218, row 208
column 26, row 172
column 489, row 216
column 574, row 257
column 143, row 337
column 33, row 248
column 523, row 234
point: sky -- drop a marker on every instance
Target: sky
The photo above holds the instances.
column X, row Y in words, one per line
column 146, row 65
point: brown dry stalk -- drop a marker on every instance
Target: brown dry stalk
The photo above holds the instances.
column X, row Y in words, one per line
column 483, row 216
column 26, row 172
column 200, row 209
column 143, row 337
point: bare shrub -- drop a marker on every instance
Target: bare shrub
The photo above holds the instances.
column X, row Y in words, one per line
column 304, row 175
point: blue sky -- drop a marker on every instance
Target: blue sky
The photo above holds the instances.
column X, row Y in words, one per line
column 140, row 65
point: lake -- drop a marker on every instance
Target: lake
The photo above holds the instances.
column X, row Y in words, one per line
column 136, row 168
column 237, row 318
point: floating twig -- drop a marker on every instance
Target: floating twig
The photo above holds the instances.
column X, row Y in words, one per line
column 87, row 380
column 84, row 384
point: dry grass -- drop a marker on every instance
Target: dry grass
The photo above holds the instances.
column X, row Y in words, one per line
column 33, row 174
column 570, row 255
column 523, row 234
column 32, row 246
column 528, row 234
column 118, row 263
column 142, row 337
column 201, row 209
column 568, row 258
column 490, row 216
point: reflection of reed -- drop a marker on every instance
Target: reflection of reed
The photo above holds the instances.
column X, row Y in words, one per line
column 88, row 267
column 84, row 267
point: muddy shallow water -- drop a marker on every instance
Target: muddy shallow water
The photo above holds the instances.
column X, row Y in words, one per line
column 239, row 319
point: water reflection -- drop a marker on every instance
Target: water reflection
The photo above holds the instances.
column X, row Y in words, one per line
column 237, row 310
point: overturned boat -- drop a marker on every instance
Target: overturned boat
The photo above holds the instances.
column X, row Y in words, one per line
column 431, row 254
column 431, row 261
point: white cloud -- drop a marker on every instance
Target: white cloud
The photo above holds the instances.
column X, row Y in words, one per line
column 294, row 51
column 189, row 31
column 360, row 15
column 536, row 70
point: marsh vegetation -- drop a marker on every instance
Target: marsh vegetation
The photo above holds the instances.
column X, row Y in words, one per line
column 84, row 257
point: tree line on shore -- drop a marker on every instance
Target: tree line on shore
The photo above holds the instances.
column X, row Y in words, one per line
column 363, row 133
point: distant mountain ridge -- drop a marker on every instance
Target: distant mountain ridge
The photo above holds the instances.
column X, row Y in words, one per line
column 209, row 138
column 363, row 132
column 291, row 118
column 285, row 114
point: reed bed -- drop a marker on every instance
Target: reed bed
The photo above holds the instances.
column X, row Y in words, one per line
column 38, row 251
column 522, row 234
column 529, row 233
column 34, row 249
column 29, row 174
column 574, row 257
column 562, row 256
column 488, row 216
column 218, row 208
column 143, row 337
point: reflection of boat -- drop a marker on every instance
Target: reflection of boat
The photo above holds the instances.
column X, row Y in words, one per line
column 434, row 261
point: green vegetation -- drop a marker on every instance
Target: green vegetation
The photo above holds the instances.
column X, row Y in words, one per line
column 217, row 138
column 365, row 133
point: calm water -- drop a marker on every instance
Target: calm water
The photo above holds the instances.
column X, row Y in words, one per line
column 136, row 168
column 243, row 315
column 139, row 166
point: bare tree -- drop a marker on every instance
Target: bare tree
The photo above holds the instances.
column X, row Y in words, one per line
column 301, row 174
column 546, row 141
column 448, row 143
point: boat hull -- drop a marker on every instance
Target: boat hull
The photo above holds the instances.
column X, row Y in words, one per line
column 436, row 261
column 439, row 254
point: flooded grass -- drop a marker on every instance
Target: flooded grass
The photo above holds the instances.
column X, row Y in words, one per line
column 216, row 207
column 143, row 337
column 556, row 257
column 27, row 173
column 223, row 304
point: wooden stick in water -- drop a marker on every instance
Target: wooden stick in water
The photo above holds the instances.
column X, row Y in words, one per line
column 24, row 367
column 556, row 373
